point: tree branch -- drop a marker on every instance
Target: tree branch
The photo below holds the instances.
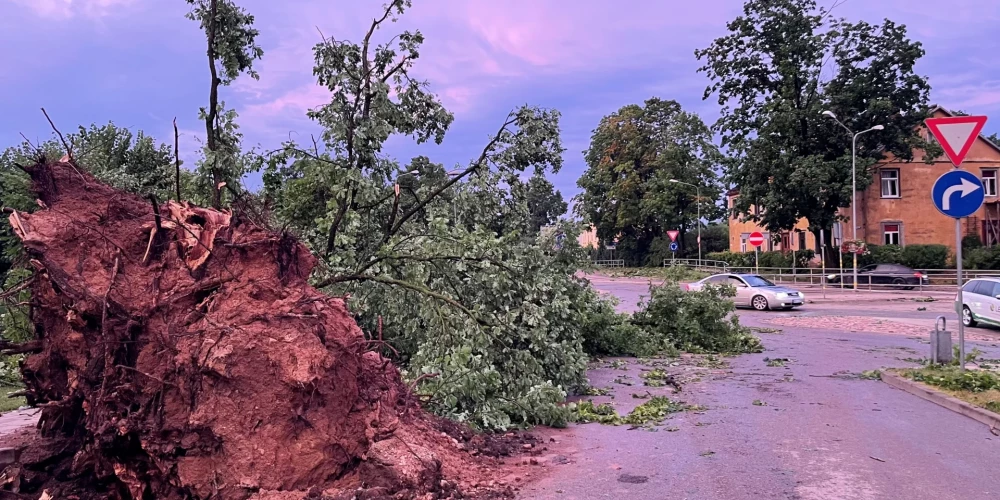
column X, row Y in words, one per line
column 403, row 284
column 177, row 160
column 511, row 119
column 69, row 149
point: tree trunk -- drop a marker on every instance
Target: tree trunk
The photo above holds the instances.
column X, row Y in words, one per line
column 213, row 110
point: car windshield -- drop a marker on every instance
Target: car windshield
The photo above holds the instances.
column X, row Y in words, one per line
column 757, row 281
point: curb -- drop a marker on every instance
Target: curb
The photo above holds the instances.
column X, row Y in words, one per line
column 941, row 399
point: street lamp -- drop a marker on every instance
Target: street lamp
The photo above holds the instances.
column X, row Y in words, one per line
column 854, row 184
column 697, row 190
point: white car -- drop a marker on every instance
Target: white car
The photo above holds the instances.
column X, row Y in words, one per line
column 980, row 302
column 754, row 291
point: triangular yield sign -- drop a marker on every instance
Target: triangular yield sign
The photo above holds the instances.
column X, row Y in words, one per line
column 956, row 134
column 673, row 235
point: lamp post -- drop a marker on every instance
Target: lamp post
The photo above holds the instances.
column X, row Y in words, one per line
column 854, row 185
column 697, row 191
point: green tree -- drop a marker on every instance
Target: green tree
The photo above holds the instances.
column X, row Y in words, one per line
column 486, row 320
column 232, row 48
column 544, row 204
column 633, row 155
column 783, row 63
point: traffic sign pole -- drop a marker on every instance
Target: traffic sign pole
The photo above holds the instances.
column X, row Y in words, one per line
column 958, row 193
column 958, row 269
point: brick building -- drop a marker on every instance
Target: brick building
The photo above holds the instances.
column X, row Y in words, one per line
column 897, row 208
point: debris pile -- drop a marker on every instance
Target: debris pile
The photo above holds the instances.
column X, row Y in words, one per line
column 181, row 353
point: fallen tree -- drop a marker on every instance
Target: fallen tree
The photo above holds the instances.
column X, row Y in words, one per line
column 181, row 353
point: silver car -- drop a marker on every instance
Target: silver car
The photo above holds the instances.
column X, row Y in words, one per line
column 754, row 291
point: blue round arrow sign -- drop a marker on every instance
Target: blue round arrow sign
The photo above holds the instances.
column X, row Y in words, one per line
column 958, row 193
column 673, row 246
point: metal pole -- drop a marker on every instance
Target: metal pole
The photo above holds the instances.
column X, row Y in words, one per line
column 958, row 267
column 822, row 250
column 698, row 193
column 854, row 203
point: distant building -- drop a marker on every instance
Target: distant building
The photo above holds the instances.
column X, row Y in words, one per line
column 896, row 209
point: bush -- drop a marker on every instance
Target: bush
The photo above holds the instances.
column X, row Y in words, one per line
column 695, row 321
column 915, row 256
column 766, row 259
column 982, row 258
column 925, row 256
column 972, row 241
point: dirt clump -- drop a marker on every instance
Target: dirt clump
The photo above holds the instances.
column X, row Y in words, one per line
column 181, row 353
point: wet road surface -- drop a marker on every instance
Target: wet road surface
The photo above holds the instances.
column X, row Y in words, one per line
column 817, row 430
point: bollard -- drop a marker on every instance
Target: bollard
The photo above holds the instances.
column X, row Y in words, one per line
column 941, row 353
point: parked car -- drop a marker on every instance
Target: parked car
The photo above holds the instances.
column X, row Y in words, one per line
column 896, row 275
column 754, row 291
column 980, row 302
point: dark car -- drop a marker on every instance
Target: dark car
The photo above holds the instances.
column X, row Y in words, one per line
column 894, row 275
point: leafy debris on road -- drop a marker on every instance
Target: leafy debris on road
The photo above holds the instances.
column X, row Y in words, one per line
column 921, row 308
column 758, row 402
column 659, row 378
column 871, row 375
column 764, row 329
column 712, row 361
column 622, row 380
column 596, row 391
column 925, row 299
column 707, row 453
column 642, row 396
column 773, row 362
column 587, row 411
column 650, row 413
column 617, row 364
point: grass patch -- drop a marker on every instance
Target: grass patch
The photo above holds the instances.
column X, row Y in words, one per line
column 764, row 329
column 978, row 387
column 8, row 404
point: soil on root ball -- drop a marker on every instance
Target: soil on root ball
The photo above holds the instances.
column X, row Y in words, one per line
column 181, row 353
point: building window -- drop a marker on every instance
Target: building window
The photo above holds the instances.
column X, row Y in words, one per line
column 890, row 182
column 892, row 233
column 990, row 182
column 743, row 245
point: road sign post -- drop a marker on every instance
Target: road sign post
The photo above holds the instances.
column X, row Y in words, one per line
column 958, row 193
column 756, row 239
column 673, row 250
column 822, row 258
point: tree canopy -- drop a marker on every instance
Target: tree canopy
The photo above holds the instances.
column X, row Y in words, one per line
column 634, row 153
column 782, row 64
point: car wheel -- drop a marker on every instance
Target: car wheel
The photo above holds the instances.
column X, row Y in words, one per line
column 899, row 283
column 759, row 302
column 967, row 319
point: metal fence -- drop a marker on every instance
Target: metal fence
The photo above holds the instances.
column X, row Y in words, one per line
column 609, row 263
column 929, row 279
column 707, row 265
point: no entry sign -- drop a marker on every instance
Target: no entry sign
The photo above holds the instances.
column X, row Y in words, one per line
column 756, row 239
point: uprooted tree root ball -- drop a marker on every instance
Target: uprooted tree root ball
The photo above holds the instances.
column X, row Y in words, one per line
column 181, row 353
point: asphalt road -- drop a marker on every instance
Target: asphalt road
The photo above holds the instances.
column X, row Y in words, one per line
column 817, row 432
